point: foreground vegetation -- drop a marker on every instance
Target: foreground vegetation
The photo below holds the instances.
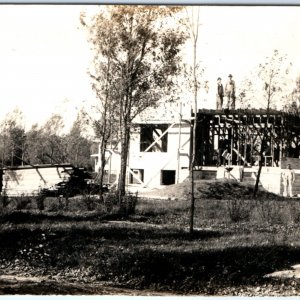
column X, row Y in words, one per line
column 235, row 244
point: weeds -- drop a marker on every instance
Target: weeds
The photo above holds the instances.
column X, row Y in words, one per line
column 110, row 200
column 160, row 207
column 269, row 212
column 128, row 204
column 22, row 202
column 40, row 199
column 35, row 251
column 4, row 200
column 239, row 210
column 233, row 206
column 295, row 211
column 89, row 201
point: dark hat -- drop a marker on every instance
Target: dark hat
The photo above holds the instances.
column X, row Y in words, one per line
column 229, row 75
column 219, row 78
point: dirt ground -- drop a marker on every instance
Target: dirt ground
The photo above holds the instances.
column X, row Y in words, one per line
column 43, row 285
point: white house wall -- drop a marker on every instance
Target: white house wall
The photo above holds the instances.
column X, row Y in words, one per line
column 113, row 161
column 154, row 162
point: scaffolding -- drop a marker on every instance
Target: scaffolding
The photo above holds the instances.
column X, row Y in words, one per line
column 235, row 137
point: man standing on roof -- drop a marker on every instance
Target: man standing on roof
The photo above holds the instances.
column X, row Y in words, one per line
column 220, row 93
column 230, row 93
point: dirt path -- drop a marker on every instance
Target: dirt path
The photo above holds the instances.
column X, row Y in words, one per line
column 23, row 285
column 45, row 285
column 294, row 273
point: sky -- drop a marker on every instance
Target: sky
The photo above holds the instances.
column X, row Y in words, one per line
column 236, row 39
column 44, row 58
column 44, row 53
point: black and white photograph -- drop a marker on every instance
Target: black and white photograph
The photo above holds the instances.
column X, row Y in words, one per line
column 149, row 150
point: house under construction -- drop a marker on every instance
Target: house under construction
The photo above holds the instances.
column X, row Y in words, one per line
column 227, row 146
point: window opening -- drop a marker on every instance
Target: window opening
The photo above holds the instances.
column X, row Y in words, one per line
column 152, row 132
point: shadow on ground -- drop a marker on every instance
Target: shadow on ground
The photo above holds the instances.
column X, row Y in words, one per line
column 149, row 258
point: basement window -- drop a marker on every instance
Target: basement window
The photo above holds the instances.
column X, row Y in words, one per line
column 136, row 176
column 168, row 177
column 153, row 133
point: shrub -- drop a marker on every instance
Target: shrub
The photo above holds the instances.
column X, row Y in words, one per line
column 239, row 210
column 53, row 207
column 60, row 202
column 295, row 211
column 40, row 201
column 4, row 200
column 89, row 201
column 22, row 202
column 109, row 201
column 269, row 211
column 128, row 204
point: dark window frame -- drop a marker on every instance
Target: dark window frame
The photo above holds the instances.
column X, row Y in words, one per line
column 147, row 137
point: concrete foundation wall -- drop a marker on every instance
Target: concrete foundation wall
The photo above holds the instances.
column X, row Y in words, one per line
column 270, row 178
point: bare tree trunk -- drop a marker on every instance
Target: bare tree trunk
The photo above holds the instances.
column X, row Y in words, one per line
column 194, row 32
column 261, row 156
column 262, row 149
column 192, row 208
column 106, row 130
column 261, row 152
column 124, row 157
column 102, row 168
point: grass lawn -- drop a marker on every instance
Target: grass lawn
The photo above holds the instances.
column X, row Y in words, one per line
column 236, row 242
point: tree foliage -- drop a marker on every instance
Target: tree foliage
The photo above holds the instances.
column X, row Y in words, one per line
column 272, row 75
column 12, row 136
column 141, row 47
column 43, row 145
column 292, row 101
column 268, row 86
column 78, row 147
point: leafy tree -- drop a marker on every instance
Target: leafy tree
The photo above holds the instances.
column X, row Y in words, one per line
column 13, row 139
column 292, row 103
column 78, row 147
column 16, row 147
column 46, row 144
column 247, row 96
column 272, row 74
column 142, row 49
column 35, row 142
column 106, row 126
column 268, row 85
column 54, row 150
